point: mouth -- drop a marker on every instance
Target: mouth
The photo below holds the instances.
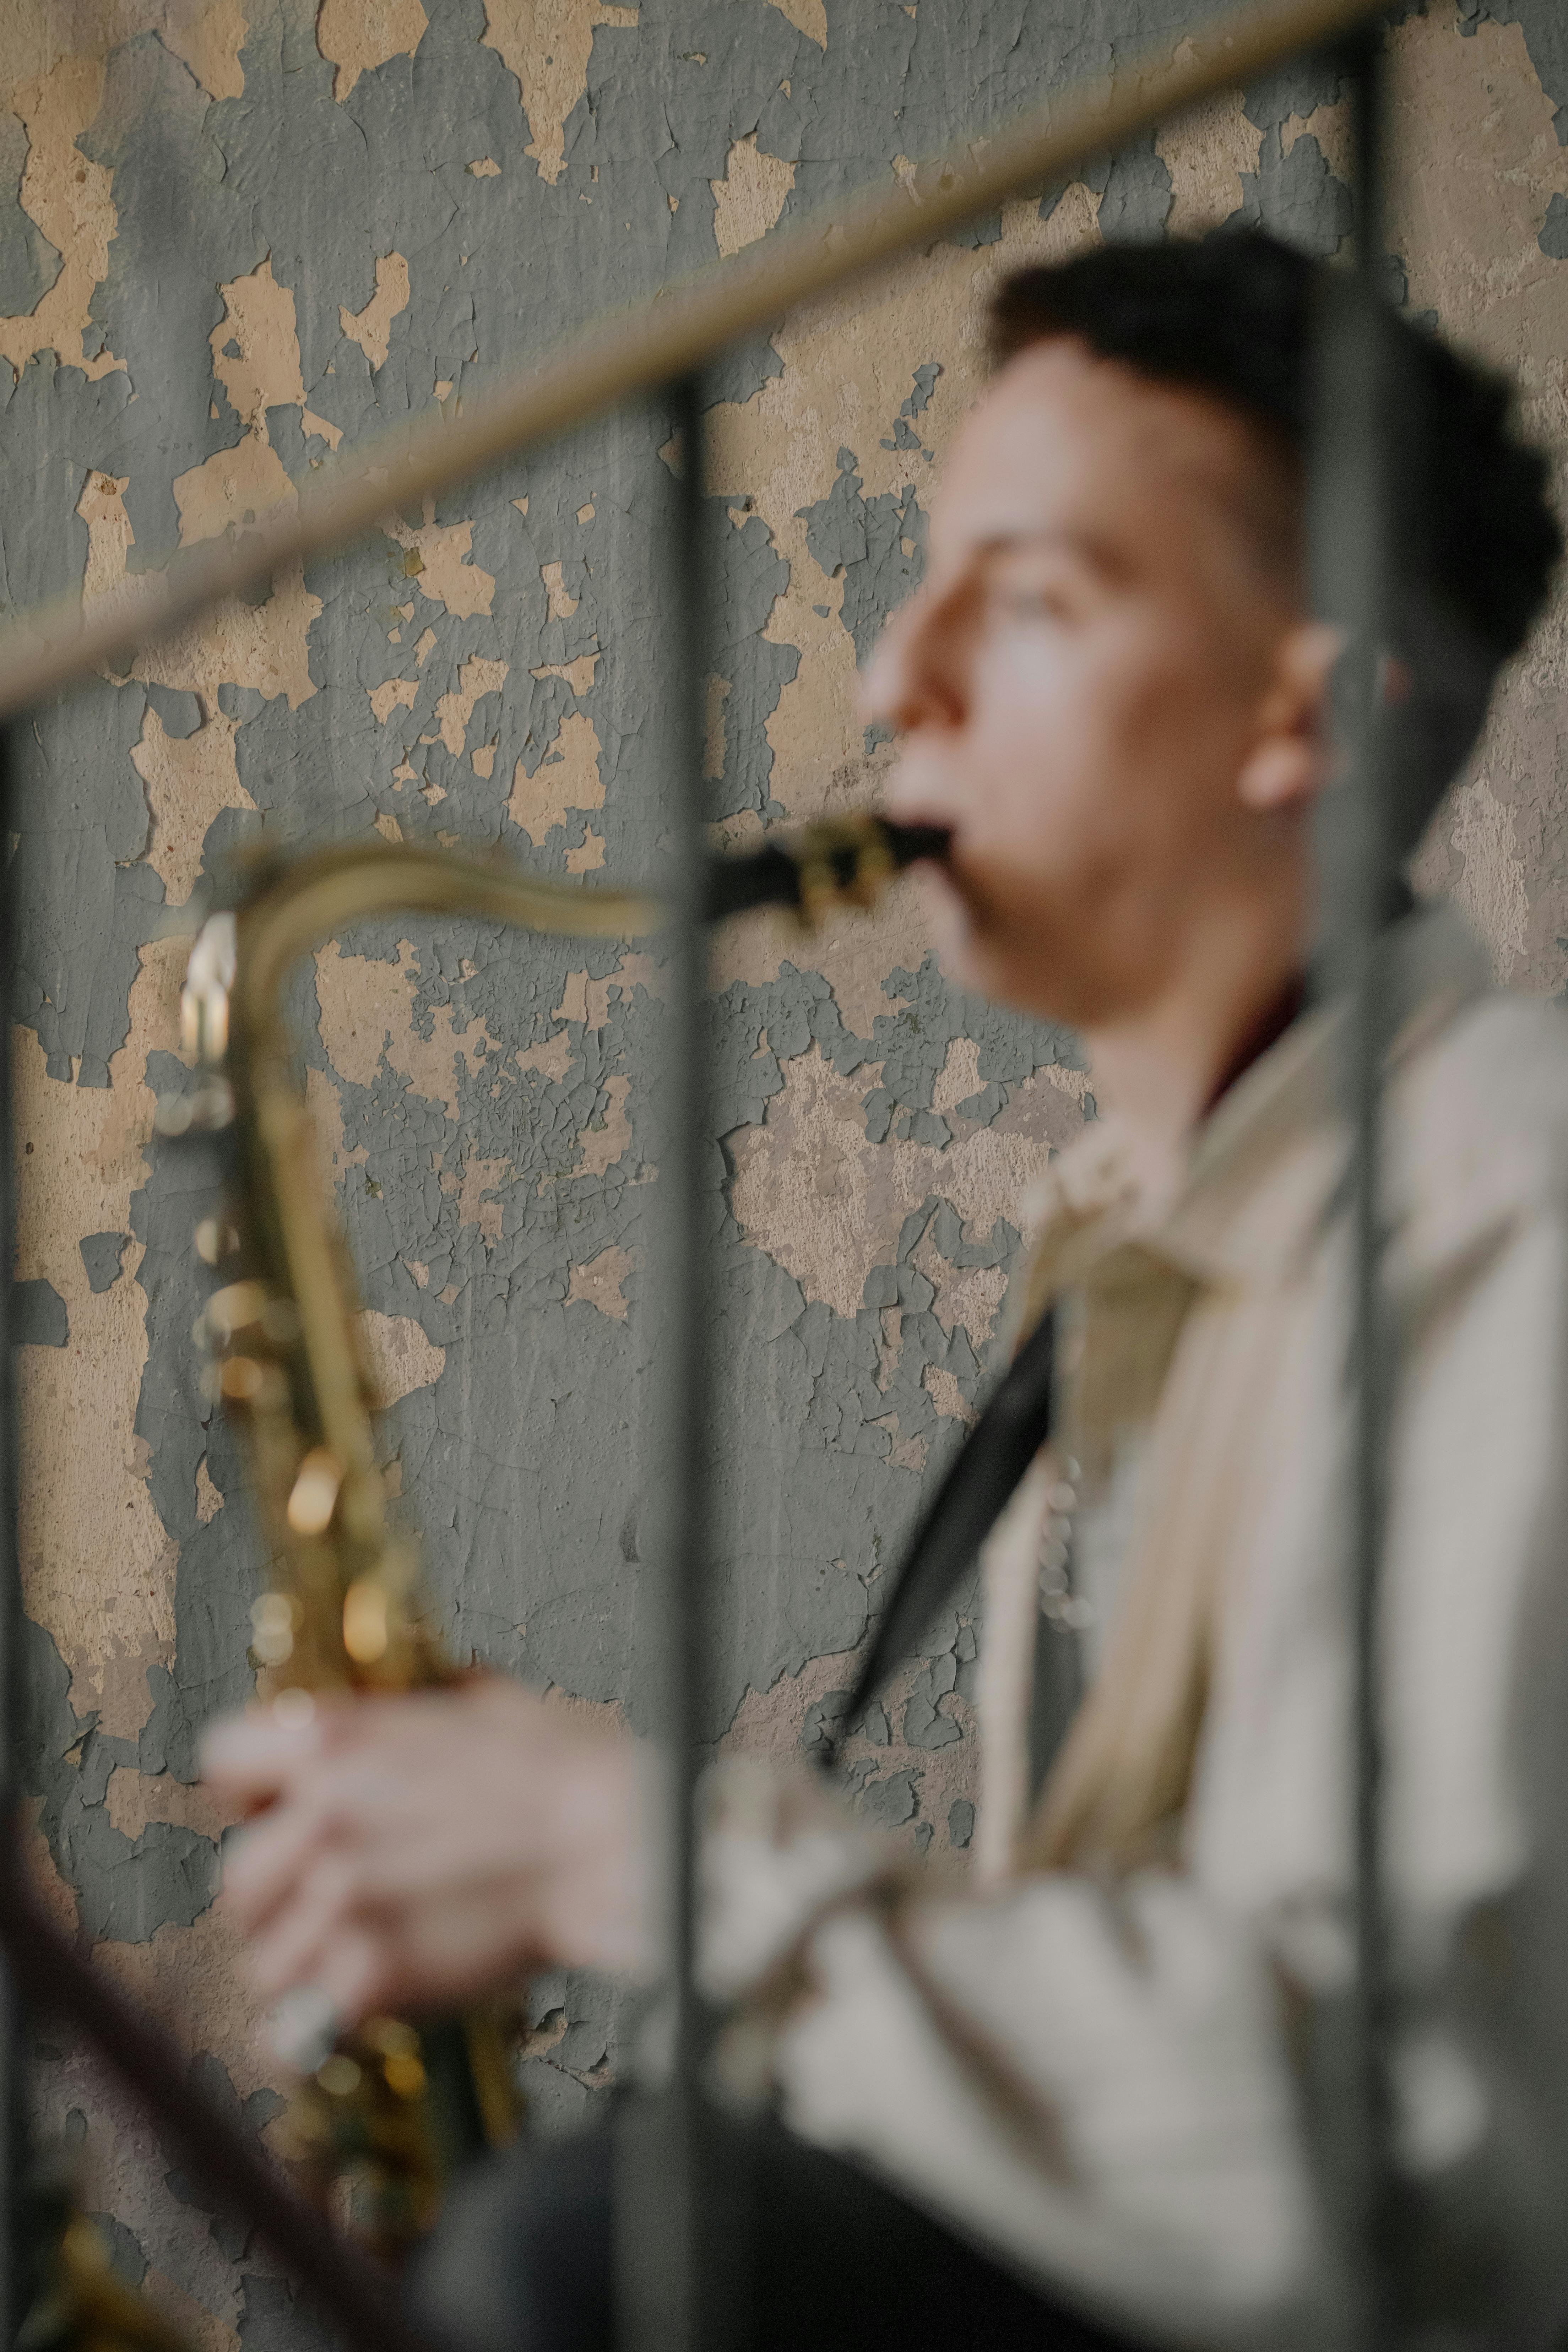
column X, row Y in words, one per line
column 917, row 845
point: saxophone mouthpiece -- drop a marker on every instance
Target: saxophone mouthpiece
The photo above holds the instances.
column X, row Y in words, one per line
column 842, row 860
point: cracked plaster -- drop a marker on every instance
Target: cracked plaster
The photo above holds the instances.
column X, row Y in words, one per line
column 240, row 234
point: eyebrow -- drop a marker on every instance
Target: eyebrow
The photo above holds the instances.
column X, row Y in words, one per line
column 1084, row 545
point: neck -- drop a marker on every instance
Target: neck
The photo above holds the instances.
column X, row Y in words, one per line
column 1164, row 1067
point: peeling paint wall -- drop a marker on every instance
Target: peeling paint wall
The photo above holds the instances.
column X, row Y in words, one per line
column 236, row 235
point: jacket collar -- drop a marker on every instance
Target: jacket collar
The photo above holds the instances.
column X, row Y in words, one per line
column 1251, row 1190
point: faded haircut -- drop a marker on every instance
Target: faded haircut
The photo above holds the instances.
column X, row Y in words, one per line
column 1230, row 316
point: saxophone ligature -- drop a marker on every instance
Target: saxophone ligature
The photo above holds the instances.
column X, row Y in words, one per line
column 383, row 2116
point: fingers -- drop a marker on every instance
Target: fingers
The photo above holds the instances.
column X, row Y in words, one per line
column 250, row 1758
column 416, row 1849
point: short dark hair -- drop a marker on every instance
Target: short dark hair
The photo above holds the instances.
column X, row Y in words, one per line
column 1231, row 315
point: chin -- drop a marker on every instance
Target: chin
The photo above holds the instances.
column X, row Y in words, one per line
column 953, row 933
column 1007, row 974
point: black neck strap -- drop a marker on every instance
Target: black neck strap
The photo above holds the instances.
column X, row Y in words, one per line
column 962, row 1514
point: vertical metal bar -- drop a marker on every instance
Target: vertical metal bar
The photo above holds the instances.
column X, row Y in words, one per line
column 1353, row 521
column 15, row 2233
column 664, row 2211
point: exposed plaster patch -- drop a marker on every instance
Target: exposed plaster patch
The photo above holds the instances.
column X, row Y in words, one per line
column 194, row 1982
column 807, row 16
column 367, row 1009
column 255, row 347
column 263, row 646
column 437, row 559
column 135, row 1797
column 604, row 1140
column 326, row 1110
column 552, row 1059
column 827, row 1203
column 566, row 781
column 599, row 1282
column 476, row 679
column 545, row 45
column 1491, row 888
column 209, row 40
column 854, row 952
column 578, row 674
column 562, row 603
column 1331, row 127
column 97, row 1564
column 371, row 327
column 969, row 1295
column 358, row 36
column 1206, row 151
column 400, row 1357
column 231, row 490
column 209, row 1502
column 574, row 1003
column 770, row 1725
column 589, row 855
column 392, row 694
column 713, row 746
column 945, row 1393
column 750, row 197
column 70, row 199
column 477, row 1202
column 190, row 779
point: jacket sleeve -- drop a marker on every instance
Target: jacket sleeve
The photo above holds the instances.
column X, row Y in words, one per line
column 1092, row 2084
column 1106, row 2084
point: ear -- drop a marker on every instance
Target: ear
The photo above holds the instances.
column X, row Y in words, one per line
column 1285, row 766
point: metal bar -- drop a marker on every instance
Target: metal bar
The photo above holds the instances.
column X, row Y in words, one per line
column 636, row 352
column 1353, row 536
column 15, row 2233
column 664, row 2217
column 362, row 2298
column 688, row 1527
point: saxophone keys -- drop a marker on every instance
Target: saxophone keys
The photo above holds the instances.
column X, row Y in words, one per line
column 367, row 1620
column 339, row 2075
column 396, row 2044
column 274, row 1617
column 242, row 1380
column 313, row 1497
column 215, row 1239
column 234, row 1308
column 205, row 1110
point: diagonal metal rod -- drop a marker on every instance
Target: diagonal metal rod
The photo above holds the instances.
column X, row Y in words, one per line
column 637, row 353
column 1354, row 551
column 15, row 2250
column 357, row 2294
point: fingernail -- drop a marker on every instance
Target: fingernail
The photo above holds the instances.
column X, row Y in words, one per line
column 303, row 2027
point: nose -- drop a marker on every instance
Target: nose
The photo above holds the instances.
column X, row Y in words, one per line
column 909, row 682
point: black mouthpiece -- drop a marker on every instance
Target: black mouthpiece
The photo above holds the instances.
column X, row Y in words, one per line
column 842, row 858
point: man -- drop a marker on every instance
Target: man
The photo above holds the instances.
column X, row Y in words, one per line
column 1098, row 2080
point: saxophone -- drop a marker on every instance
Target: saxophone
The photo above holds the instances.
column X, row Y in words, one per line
column 383, row 2116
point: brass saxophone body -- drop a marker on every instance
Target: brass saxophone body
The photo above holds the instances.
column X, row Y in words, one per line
column 383, row 2116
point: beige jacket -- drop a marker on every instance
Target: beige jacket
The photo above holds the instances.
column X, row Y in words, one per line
column 1095, row 2058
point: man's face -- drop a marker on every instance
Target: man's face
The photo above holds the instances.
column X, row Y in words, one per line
column 1079, row 682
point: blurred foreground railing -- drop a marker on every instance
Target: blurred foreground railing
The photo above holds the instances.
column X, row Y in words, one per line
column 660, row 350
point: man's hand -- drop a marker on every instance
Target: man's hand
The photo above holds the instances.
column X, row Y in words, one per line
column 414, row 1852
